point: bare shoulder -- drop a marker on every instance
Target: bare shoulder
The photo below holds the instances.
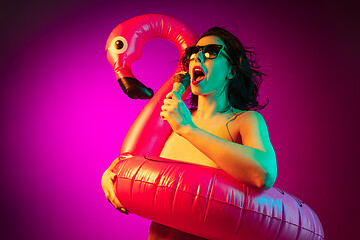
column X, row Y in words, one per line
column 250, row 118
column 253, row 131
column 251, row 114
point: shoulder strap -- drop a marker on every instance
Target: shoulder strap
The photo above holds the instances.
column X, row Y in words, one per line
column 231, row 119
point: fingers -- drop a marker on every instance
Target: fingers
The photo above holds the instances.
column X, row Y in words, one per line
column 170, row 106
column 169, row 95
column 168, row 101
column 172, row 102
column 113, row 177
column 109, row 191
column 164, row 115
column 167, row 107
column 107, row 183
column 173, row 95
column 173, row 106
column 112, row 199
column 123, row 210
column 116, row 203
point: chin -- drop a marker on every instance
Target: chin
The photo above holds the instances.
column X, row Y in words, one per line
column 195, row 90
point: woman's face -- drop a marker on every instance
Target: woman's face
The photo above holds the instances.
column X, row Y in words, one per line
column 215, row 70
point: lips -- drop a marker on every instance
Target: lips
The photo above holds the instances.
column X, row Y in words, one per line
column 197, row 75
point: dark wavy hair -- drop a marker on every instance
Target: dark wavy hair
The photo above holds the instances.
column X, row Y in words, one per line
column 243, row 88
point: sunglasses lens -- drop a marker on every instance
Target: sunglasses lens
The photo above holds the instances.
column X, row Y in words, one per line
column 192, row 51
column 211, row 51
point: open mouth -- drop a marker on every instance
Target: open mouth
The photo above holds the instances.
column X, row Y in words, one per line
column 198, row 74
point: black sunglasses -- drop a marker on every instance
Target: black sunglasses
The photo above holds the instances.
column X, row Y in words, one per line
column 210, row 51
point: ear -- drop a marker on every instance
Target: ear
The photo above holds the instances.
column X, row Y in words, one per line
column 231, row 73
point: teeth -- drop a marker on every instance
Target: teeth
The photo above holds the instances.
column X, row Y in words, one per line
column 197, row 74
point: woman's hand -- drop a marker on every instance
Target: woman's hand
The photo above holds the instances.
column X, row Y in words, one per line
column 176, row 113
column 107, row 183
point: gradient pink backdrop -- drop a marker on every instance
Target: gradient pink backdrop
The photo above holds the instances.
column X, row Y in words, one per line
column 63, row 115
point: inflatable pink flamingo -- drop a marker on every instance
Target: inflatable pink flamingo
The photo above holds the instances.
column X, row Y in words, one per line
column 200, row 200
column 125, row 43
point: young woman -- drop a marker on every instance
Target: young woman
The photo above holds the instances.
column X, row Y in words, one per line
column 222, row 128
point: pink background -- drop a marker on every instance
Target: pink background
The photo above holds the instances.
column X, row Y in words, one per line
column 63, row 114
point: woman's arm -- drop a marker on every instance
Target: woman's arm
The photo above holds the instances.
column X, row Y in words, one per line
column 254, row 162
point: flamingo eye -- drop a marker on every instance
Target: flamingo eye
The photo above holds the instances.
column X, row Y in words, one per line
column 119, row 44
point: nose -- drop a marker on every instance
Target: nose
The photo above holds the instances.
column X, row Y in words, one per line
column 199, row 56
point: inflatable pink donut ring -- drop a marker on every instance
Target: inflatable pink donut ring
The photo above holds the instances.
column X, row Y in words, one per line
column 200, row 200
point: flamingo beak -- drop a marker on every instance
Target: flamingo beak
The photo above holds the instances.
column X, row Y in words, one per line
column 134, row 88
column 130, row 85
